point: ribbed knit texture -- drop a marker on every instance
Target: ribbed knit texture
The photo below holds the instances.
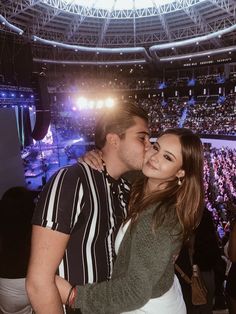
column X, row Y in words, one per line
column 143, row 269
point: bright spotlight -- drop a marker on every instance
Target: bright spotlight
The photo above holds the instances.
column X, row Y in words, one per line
column 99, row 104
column 82, row 103
column 91, row 104
column 109, row 102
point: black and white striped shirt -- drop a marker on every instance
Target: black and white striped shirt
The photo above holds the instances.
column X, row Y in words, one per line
column 90, row 206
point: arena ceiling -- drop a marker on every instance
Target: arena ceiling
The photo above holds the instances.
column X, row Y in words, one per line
column 123, row 31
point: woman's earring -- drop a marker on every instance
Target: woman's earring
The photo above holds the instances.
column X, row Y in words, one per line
column 179, row 181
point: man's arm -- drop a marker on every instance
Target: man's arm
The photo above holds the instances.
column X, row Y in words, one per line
column 47, row 250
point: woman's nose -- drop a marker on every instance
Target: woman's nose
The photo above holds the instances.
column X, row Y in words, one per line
column 147, row 143
column 154, row 155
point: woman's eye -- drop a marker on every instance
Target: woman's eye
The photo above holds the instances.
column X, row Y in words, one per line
column 155, row 147
column 167, row 157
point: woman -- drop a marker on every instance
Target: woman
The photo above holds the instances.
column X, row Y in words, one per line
column 16, row 211
column 165, row 207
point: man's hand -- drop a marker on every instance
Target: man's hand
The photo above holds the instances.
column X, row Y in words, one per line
column 94, row 159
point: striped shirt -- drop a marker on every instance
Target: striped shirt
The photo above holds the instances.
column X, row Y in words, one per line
column 90, row 206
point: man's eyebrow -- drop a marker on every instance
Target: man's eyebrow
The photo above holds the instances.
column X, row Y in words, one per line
column 165, row 150
column 143, row 133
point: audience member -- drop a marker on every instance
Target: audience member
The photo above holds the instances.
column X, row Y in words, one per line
column 16, row 211
column 206, row 254
column 80, row 211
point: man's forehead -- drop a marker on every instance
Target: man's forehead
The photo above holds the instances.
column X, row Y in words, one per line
column 138, row 130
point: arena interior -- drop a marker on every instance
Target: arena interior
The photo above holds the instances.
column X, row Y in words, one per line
column 63, row 62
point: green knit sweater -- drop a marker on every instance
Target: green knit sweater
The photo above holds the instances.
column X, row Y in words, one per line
column 143, row 269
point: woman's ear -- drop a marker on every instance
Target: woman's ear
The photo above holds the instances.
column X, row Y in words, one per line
column 180, row 174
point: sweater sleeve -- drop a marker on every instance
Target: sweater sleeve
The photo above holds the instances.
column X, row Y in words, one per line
column 145, row 261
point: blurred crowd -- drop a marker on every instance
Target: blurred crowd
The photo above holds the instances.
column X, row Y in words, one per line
column 220, row 185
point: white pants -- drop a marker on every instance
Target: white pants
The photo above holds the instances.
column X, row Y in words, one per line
column 171, row 302
column 13, row 297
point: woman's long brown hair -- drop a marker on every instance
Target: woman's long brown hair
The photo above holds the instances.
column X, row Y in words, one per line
column 187, row 198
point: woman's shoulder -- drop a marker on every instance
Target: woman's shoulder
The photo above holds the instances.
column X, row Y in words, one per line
column 165, row 220
column 166, row 217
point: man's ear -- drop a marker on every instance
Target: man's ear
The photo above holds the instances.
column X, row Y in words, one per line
column 112, row 139
column 180, row 174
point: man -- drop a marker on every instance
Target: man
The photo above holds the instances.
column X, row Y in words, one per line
column 80, row 211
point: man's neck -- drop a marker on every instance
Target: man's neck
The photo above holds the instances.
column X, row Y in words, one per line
column 114, row 167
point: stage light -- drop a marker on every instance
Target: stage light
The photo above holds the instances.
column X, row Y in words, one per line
column 109, row 102
column 99, row 104
column 191, row 82
column 81, row 103
column 91, row 104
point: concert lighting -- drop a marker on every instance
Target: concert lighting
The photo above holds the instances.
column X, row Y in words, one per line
column 109, row 103
column 83, row 103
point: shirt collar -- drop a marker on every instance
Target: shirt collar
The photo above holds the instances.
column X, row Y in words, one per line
column 109, row 178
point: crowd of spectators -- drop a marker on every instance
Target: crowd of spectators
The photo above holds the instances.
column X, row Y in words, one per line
column 131, row 80
column 204, row 116
column 213, row 118
column 220, row 185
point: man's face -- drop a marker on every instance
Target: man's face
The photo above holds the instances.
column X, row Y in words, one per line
column 133, row 145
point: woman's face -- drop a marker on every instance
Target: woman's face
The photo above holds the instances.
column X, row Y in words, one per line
column 163, row 160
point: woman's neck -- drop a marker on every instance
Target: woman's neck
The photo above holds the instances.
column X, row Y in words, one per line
column 154, row 186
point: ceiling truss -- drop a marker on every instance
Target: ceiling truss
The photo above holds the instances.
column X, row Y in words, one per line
column 58, row 21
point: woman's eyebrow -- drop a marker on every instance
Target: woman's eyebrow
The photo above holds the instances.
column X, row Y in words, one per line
column 165, row 150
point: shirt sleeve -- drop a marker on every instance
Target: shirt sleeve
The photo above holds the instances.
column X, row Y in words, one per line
column 60, row 202
column 149, row 256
